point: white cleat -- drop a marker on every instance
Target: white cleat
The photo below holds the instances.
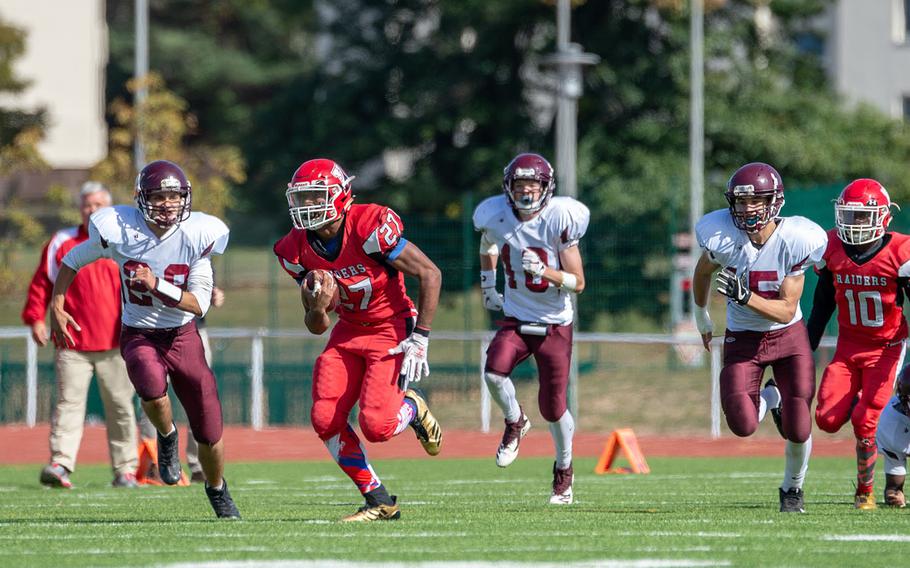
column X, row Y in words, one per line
column 562, row 486
column 511, row 439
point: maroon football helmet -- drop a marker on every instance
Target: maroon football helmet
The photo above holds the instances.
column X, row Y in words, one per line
column 158, row 177
column 534, row 167
column 903, row 389
column 750, row 181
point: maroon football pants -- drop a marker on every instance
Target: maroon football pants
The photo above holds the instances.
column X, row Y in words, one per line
column 787, row 352
column 552, row 353
column 152, row 355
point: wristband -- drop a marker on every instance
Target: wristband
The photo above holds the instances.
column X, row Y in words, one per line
column 167, row 289
column 487, row 278
column 422, row 331
column 569, row 281
column 703, row 320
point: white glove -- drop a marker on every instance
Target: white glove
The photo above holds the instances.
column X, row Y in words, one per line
column 414, row 366
column 532, row 264
column 492, row 300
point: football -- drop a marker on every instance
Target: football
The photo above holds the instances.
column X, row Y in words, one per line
column 317, row 279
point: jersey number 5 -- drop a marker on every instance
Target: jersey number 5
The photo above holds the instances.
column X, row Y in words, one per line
column 176, row 274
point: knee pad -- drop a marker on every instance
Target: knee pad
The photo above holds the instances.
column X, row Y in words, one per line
column 494, row 379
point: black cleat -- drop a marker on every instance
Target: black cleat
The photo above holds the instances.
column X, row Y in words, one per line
column 221, row 501
column 169, row 458
column 791, row 501
column 775, row 412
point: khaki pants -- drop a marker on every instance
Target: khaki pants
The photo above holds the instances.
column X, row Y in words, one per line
column 74, row 373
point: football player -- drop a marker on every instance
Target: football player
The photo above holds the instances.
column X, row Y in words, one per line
column 536, row 235
column 893, row 438
column 763, row 258
column 379, row 344
column 163, row 249
column 864, row 274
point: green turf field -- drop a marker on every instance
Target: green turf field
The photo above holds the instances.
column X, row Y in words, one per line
column 695, row 512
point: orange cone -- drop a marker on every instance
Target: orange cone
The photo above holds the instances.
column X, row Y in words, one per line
column 622, row 440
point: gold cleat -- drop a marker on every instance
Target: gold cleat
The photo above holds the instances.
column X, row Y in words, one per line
column 865, row 501
column 367, row 514
column 425, row 425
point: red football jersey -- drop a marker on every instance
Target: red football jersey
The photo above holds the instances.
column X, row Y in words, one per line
column 371, row 291
column 869, row 301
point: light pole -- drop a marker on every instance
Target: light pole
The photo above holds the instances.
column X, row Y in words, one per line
column 140, row 77
column 696, row 127
column 568, row 61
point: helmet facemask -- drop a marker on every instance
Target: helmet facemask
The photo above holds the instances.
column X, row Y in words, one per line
column 749, row 218
column 168, row 215
column 525, row 201
column 860, row 224
column 312, row 204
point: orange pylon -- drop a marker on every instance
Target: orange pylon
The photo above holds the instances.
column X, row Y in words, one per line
column 622, row 440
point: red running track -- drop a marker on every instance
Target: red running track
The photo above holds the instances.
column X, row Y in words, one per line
column 22, row 445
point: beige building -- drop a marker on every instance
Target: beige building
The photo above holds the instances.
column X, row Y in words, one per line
column 868, row 53
column 65, row 59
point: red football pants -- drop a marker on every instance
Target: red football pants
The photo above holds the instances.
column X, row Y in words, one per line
column 854, row 370
column 356, row 367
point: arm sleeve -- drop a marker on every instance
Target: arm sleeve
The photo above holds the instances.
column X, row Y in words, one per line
column 84, row 253
column 39, row 292
column 200, row 283
column 823, row 305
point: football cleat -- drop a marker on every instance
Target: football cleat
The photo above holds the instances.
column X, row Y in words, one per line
column 511, row 438
column 55, row 475
column 378, row 512
column 791, row 501
column 562, row 486
column 895, row 498
column 125, row 481
column 864, row 501
column 169, row 458
column 775, row 411
column 425, row 425
column 221, row 501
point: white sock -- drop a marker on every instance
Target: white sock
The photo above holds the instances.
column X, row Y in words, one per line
column 762, row 408
column 503, row 392
column 796, row 463
column 562, row 431
column 769, row 397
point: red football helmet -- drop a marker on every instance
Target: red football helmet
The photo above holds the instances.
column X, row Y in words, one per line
column 319, row 193
column 158, row 177
column 748, row 182
column 862, row 212
column 534, row 167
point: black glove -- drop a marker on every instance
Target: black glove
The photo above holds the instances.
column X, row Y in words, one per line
column 733, row 286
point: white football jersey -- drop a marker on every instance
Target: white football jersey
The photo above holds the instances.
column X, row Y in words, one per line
column 560, row 225
column 182, row 256
column 796, row 244
column 893, row 432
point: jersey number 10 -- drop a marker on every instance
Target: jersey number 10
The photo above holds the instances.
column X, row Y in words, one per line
column 538, row 285
column 860, row 305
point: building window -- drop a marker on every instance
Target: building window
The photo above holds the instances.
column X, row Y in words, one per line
column 900, row 27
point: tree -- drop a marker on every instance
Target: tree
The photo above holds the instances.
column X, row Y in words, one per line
column 166, row 124
column 20, row 133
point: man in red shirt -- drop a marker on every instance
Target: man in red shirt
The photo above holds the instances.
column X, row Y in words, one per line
column 865, row 274
column 376, row 348
column 94, row 299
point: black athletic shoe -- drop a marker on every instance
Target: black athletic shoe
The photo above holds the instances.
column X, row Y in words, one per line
column 221, row 501
column 169, row 458
column 791, row 501
column 775, row 412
